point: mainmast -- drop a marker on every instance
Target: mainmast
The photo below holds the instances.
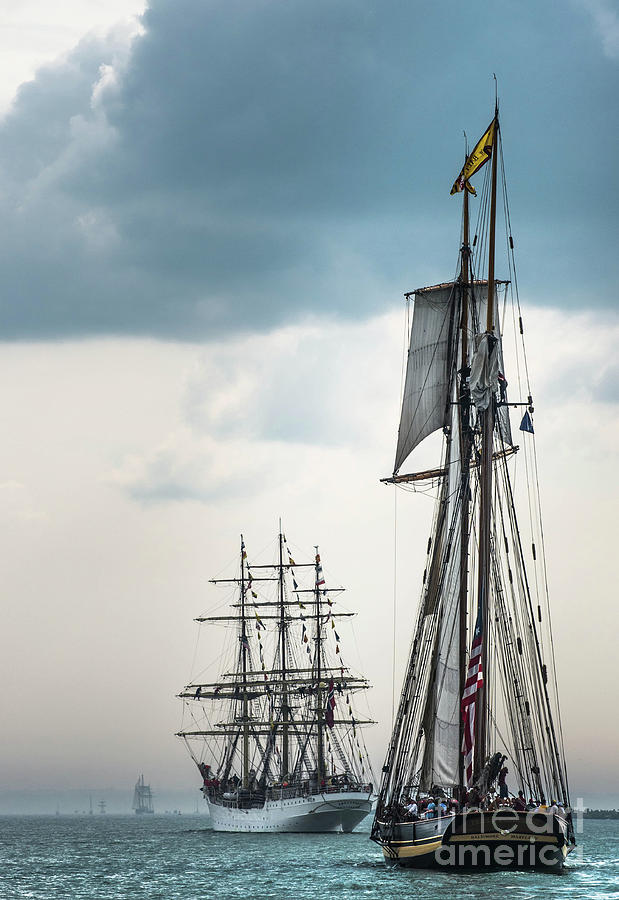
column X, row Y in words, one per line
column 319, row 710
column 464, row 410
column 244, row 646
column 485, row 505
column 282, row 637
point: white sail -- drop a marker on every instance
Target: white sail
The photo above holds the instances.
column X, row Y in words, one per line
column 426, row 389
column 442, row 718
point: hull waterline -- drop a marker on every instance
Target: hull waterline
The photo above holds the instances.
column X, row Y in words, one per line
column 334, row 812
column 470, row 841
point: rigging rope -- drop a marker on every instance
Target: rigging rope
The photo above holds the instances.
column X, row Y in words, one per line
column 395, row 594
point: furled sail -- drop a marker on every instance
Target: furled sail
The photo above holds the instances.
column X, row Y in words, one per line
column 488, row 366
column 484, row 370
column 426, row 390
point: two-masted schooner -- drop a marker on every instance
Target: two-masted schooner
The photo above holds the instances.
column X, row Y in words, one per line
column 276, row 737
column 475, row 771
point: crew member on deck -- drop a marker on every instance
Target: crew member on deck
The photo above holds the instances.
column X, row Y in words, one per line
column 502, row 782
column 412, row 809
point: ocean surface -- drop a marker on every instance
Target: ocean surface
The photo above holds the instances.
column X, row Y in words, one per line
column 179, row 858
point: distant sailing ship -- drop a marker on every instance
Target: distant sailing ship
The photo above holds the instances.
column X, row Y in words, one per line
column 479, row 704
column 142, row 798
column 276, row 738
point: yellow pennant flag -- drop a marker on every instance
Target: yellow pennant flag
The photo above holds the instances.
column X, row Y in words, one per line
column 480, row 155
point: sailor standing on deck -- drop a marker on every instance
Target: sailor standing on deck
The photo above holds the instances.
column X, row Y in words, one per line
column 412, row 809
column 502, row 782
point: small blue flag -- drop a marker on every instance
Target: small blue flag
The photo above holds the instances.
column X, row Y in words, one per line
column 527, row 424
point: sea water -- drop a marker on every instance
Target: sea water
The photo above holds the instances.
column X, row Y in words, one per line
column 179, row 858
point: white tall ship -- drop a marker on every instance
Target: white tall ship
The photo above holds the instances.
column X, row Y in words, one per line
column 142, row 798
column 276, row 738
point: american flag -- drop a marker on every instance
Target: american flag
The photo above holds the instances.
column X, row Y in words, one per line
column 474, row 680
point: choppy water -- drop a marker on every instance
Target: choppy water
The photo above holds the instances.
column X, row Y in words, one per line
column 177, row 858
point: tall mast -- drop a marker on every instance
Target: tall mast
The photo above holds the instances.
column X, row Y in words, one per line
column 282, row 638
column 319, row 711
column 244, row 671
column 464, row 410
column 485, row 504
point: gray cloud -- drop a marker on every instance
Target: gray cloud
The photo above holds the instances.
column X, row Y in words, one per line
column 236, row 167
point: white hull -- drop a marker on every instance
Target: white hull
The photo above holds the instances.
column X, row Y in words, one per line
column 319, row 813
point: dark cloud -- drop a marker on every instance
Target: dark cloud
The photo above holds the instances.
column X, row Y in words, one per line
column 242, row 164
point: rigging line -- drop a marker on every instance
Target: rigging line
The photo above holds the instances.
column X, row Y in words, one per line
column 408, row 711
column 556, row 755
column 548, row 614
column 532, row 520
column 512, row 255
column 509, row 680
column 535, row 674
column 195, row 653
column 214, row 662
column 498, row 731
column 410, row 706
column 482, row 218
column 417, row 680
column 511, row 662
column 395, row 594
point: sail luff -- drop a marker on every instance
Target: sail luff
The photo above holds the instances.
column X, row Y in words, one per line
column 442, row 757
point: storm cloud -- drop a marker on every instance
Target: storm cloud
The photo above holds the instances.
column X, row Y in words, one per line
column 234, row 167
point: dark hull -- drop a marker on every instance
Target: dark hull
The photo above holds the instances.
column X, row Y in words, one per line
column 502, row 840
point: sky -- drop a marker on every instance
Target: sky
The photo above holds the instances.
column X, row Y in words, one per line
column 209, row 214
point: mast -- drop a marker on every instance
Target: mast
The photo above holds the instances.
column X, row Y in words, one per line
column 319, row 711
column 245, row 715
column 282, row 637
column 464, row 410
column 485, row 504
